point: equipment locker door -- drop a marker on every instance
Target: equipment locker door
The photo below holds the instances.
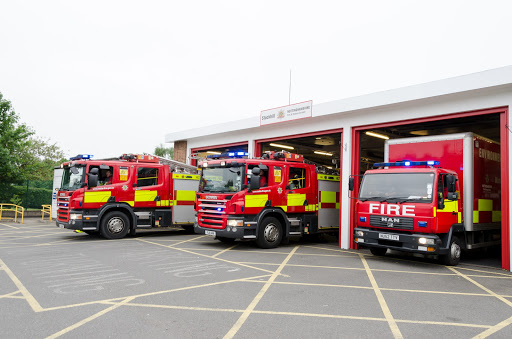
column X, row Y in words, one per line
column 328, row 201
column 185, row 189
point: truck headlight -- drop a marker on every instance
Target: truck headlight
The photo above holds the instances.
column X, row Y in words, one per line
column 235, row 222
column 426, row 241
column 360, row 233
column 75, row 216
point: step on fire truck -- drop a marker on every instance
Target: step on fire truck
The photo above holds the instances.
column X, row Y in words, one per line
column 268, row 199
column 439, row 206
column 117, row 197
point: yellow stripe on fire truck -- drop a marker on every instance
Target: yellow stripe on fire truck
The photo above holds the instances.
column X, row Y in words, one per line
column 329, row 199
column 186, row 195
column 145, row 195
column 484, row 206
column 327, row 177
column 450, row 207
column 185, row 176
column 95, row 197
column 257, row 200
column 296, row 199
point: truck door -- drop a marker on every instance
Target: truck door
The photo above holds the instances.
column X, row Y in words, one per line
column 150, row 188
column 447, row 210
column 297, row 189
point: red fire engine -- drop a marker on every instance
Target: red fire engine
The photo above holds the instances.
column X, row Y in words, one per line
column 268, row 199
column 440, row 206
column 114, row 197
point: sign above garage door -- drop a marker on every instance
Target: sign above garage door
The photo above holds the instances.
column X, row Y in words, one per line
column 286, row 113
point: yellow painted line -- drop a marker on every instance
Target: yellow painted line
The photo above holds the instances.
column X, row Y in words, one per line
column 206, row 256
column 91, row 318
column 189, row 240
column 506, row 301
column 494, row 329
column 509, row 275
column 224, row 251
column 29, row 297
column 11, row 295
column 10, row 226
column 383, row 305
column 258, row 297
column 295, row 314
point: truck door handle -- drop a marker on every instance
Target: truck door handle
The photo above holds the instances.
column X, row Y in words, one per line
column 157, row 198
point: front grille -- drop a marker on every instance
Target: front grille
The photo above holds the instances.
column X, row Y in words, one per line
column 212, row 213
column 63, row 209
column 392, row 222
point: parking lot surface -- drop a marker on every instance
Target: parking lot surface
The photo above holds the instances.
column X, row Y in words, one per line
column 57, row 283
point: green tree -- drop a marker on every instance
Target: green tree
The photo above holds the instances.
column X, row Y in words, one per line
column 14, row 141
column 165, row 152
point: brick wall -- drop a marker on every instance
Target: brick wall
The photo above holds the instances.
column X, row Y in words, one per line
column 180, row 151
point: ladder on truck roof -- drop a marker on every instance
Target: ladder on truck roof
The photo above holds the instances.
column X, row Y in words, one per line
column 176, row 166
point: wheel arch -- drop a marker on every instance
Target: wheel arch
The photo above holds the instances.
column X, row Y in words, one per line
column 121, row 207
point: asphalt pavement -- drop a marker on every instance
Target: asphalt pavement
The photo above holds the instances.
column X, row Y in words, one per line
column 170, row 284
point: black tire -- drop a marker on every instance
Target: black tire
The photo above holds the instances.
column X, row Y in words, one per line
column 454, row 251
column 270, row 233
column 378, row 251
column 114, row 225
column 226, row 240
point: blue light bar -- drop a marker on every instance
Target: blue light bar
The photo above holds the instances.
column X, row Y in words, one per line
column 422, row 223
column 82, row 157
column 407, row 163
column 228, row 155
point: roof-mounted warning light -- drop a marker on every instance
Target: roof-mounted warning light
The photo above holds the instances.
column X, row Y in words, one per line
column 406, row 163
column 81, row 157
column 228, row 155
column 283, row 155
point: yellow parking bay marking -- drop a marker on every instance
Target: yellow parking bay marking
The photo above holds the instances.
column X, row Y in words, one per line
column 29, row 297
column 91, row 318
column 11, row 295
column 10, row 226
column 506, row 301
column 383, row 305
column 258, row 297
column 206, row 256
column 495, row 328
column 224, row 251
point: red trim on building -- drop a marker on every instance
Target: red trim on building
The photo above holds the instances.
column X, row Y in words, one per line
column 504, row 142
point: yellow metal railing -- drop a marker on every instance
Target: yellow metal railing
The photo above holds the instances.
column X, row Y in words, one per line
column 47, row 209
column 11, row 207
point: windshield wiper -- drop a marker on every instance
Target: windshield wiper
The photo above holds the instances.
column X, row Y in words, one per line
column 379, row 199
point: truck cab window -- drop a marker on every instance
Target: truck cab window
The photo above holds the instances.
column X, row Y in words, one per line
column 147, row 176
column 297, row 178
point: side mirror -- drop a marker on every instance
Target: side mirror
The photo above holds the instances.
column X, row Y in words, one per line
column 73, row 170
column 451, row 181
column 351, row 183
column 254, row 184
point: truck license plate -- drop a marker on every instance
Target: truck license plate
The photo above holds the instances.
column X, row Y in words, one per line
column 389, row 236
column 212, row 233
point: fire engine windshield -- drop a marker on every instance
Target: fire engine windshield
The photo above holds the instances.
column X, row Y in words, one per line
column 397, row 187
column 224, row 179
column 72, row 178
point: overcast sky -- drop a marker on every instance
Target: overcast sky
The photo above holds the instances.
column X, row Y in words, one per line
column 112, row 77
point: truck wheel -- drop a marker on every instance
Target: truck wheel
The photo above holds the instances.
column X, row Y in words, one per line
column 114, row 225
column 453, row 256
column 378, row 251
column 270, row 233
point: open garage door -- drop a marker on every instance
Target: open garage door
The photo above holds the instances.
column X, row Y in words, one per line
column 200, row 153
column 368, row 148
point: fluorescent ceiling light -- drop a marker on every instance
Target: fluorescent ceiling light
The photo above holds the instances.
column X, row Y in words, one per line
column 323, row 153
column 377, row 135
column 283, row 146
column 213, row 152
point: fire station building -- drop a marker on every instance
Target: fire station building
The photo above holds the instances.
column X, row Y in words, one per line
column 349, row 134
